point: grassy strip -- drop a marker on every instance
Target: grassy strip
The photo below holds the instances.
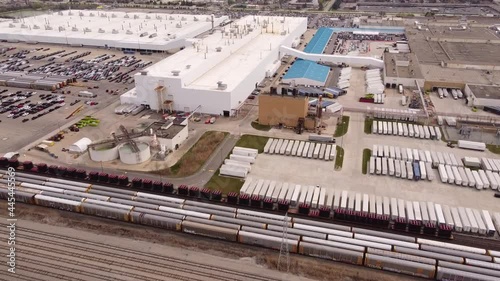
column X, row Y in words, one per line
column 493, row 148
column 342, row 127
column 257, row 126
column 367, row 153
column 197, row 155
column 339, row 159
column 368, row 125
column 227, row 184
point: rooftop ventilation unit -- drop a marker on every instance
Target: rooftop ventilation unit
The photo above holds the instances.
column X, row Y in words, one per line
column 188, row 66
column 60, row 13
column 144, row 72
column 48, row 27
column 70, row 13
column 208, row 19
column 148, row 17
column 24, row 26
column 101, row 30
column 74, row 28
column 195, row 19
column 61, row 28
column 126, row 16
column 91, row 14
column 171, row 18
column 136, row 16
column 113, row 15
column 81, row 14
column 221, row 86
column 283, row 32
column 173, row 36
column 129, row 32
column 143, row 34
column 183, row 18
column 158, row 17
column 86, row 29
column 114, row 31
column 178, row 25
column 218, row 49
column 36, row 27
column 103, row 15
column 11, row 25
column 176, row 72
column 153, row 35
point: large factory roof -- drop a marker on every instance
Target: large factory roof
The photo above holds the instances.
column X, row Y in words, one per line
column 485, row 91
column 154, row 31
column 229, row 55
column 308, row 70
column 402, row 65
column 319, row 41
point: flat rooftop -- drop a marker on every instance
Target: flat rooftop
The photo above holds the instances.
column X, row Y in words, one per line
column 168, row 133
column 485, row 91
column 153, row 31
column 409, row 69
column 470, row 76
column 229, row 54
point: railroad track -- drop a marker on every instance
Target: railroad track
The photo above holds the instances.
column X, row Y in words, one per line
column 48, row 256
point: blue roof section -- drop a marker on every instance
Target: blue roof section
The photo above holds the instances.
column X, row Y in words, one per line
column 319, row 41
column 309, row 70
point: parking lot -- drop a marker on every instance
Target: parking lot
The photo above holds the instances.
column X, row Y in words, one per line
column 29, row 114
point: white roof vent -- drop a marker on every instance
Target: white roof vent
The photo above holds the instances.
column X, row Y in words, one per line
column 195, row 19
column 87, row 29
column 183, row 18
column 101, row 30
column 158, row 17
column 74, row 28
column 60, row 13
column 61, row 28
column 81, row 14
column 176, row 72
column 126, row 16
column 113, row 15
column 144, row 72
column 70, row 13
column 24, row 26
column 153, row 35
column 114, row 31
column 148, row 17
column 103, row 15
column 208, row 19
column 221, row 86
column 36, row 27
column 171, row 18
column 179, row 25
column 129, row 32
column 136, row 16
column 11, row 25
column 15, row 20
column 188, row 66
column 143, row 34
column 218, row 49
column 91, row 14
column 283, row 32
column 48, row 27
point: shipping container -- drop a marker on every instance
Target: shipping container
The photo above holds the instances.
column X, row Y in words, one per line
column 427, row 133
column 277, row 149
column 295, row 147
column 411, row 132
column 423, row 170
column 273, row 146
column 416, row 155
column 435, row 159
column 454, row 161
column 322, row 199
column 463, row 175
column 432, row 213
column 421, row 155
column 333, row 152
column 477, row 179
column 386, row 130
column 481, row 227
column 491, row 179
column 409, row 170
column 315, row 198
column 306, row 149
column 394, row 208
column 374, row 127
column 288, row 149
column 480, row 146
column 384, row 166
column 283, row 147
column 372, row 165
column 380, row 151
column 322, row 151
column 316, row 151
column 441, row 158
column 430, row 172
column 456, row 219
column 389, row 128
column 456, row 175
column 380, row 127
column 403, row 169
column 466, row 225
column 438, row 133
column 328, row 151
column 409, row 153
column 400, row 130
column 392, row 152
column 493, row 165
column 432, row 132
column 300, row 149
column 395, row 128
column 449, row 172
column 484, row 178
column 428, row 156
column 425, row 213
column 391, row 166
column 472, row 162
column 447, row 216
column 404, row 155
column 470, row 177
column 447, row 159
column 488, row 222
column 485, row 164
column 421, row 132
column 405, row 130
column 439, row 215
column 397, row 168
column 386, row 151
column 442, row 173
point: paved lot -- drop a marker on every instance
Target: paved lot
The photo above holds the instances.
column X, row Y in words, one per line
column 14, row 134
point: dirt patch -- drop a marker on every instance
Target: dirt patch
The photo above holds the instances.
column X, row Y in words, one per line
column 299, row 265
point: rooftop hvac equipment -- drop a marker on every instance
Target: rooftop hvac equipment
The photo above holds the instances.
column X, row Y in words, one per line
column 183, row 18
column 171, row 18
column 70, row 13
column 129, row 32
column 81, row 14
column 101, row 30
column 218, row 49
column 173, row 36
column 221, row 86
column 87, row 29
column 113, row 15
column 24, row 26
column 148, row 17
column 153, row 35
column 144, row 72
column 176, row 72
column 114, row 31
column 74, row 29
column 36, row 27
column 103, row 15
column 126, row 16
column 208, row 19
column 91, row 14
column 143, row 34
column 188, row 66
column 48, row 27
column 136, row 16
column 179, row 25
column 60, row 13
column 11, row 25
column 195, row 19
column 158, row 17
column 283, row 32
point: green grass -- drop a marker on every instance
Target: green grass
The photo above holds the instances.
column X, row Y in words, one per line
column 367, row 153
column 224, row 184
column 339, row 159
column 493, row 148
column 252, row 141
column 255, row 124
column 368, row 125
column 196, row 156
column 342, row 127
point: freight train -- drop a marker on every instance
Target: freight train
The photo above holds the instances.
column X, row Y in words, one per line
column 386, row 251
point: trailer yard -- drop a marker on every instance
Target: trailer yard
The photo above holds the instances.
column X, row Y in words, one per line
column 53, row 85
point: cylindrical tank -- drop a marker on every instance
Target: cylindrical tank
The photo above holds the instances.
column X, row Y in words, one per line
column 107, row 152
column 128, row 156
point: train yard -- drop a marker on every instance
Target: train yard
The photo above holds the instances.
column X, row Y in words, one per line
column 419, row 257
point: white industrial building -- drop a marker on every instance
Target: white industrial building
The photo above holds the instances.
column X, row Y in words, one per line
column 137, row 31
column 218, row 72
column 482, row 95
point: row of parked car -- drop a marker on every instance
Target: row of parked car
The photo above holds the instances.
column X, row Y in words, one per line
column 18, row 104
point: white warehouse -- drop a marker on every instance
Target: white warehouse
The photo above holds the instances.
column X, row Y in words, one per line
column 219, row 71
column 138, row 31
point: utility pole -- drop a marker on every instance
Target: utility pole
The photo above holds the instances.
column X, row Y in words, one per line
column 284, row 258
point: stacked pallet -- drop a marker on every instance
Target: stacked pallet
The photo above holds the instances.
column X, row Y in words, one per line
column 305, row 149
